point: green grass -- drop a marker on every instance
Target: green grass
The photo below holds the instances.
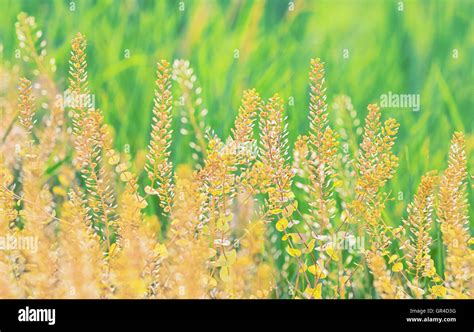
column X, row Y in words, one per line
column 407, row 51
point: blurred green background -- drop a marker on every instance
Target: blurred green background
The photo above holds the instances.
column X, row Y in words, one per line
column 406, row 47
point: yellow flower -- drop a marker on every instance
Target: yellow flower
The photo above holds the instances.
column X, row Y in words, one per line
column 438, row 291
column 224, row 274
column 293, row 252
column 316, row 270
column 332, row 253
column 314, row 293
column 282, row 224
column 397, row 267
column 392, row 259
column 161, row 250
column 126, row 176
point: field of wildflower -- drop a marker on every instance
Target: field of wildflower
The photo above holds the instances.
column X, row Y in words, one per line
column 236, row 149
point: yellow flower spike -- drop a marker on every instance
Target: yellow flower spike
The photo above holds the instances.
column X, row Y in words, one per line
column 282, row 224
